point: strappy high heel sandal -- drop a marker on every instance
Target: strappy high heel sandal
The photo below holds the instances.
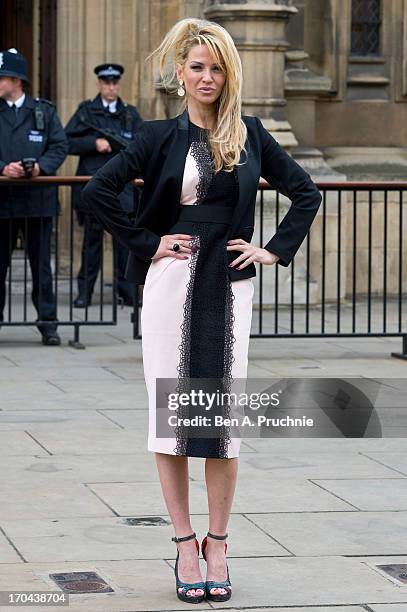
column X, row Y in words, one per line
column 213, row 584
column 186, row 586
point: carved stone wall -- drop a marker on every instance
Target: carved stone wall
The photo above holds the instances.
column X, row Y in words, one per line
column 300, row 79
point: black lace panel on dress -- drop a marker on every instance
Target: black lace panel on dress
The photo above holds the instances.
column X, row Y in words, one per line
column 206, row 349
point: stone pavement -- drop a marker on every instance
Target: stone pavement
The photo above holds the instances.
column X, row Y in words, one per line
column 311, row 519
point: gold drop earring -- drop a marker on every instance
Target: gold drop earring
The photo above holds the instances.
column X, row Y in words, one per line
column 181, row 90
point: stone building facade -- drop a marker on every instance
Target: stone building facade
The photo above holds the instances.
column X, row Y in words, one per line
column 327, row 78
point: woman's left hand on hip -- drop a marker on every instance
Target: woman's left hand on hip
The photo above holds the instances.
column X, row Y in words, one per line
column 250, row 254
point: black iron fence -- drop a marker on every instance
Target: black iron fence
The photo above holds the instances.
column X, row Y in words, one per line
column 348, row 278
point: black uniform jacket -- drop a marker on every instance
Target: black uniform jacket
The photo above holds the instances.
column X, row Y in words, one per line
column 19, row 138
column 158, row 155
column 125, row 122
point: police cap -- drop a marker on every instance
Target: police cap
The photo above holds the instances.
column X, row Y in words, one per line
column 109, row 71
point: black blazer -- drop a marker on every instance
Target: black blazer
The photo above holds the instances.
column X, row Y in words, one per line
column 158, row 154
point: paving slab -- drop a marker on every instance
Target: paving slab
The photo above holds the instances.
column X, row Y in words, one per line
column 337, row 533
column 91, row 441
column 25, row 354
column 379, row 368
column 375, row 562
column 395, row 460
column 52, row 470
column 369, row 493
column 14, row 443
column 8, row 553
column 141, row 586
column 109, row 387
column 73, row 400
column 298, row 447
column 84, row 538
column 129, row 419
column 307, row 582
column 6, row 362
column 336, row 578
column 22, row 501
column 131, row 373
column 308, row 466
column 389, row 607
column 24, row 393
column 48, row 372
column 277, row 496
column 54, row 420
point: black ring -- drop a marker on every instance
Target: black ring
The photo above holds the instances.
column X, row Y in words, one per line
column 176, row 247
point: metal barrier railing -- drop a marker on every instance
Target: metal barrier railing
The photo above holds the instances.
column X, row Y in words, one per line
column 346, row 280
column 54, row 255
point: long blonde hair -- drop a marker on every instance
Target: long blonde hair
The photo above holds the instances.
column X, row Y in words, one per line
column 228, row 137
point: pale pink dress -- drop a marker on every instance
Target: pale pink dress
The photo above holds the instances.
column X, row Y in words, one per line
column 162, row 316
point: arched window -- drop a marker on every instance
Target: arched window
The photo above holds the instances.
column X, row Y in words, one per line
column 365, row 34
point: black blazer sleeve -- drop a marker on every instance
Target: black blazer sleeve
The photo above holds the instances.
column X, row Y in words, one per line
column 101, row 195
column 283, row 173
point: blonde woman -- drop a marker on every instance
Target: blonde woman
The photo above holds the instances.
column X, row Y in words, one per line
column 190, row 247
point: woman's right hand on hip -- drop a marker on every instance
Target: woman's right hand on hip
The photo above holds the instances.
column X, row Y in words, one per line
column 165, row 249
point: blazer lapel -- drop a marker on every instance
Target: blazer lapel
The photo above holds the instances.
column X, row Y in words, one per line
column 173, row 170
column 180, row 151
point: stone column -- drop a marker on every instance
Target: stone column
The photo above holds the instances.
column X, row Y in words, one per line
column 259, row 31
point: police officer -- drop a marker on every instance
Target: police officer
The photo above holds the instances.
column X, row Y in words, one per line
column 28, row 129
column 106, row 111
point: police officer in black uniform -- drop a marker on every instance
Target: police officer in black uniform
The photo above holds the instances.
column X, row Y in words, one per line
column 106, row 111
column 29, row 128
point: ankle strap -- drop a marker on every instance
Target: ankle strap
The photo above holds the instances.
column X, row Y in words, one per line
column 217, row 537
column 185, row 538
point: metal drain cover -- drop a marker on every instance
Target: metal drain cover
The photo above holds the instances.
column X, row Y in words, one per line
column 81, row 582
column 397, row 571
column 146, row 521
